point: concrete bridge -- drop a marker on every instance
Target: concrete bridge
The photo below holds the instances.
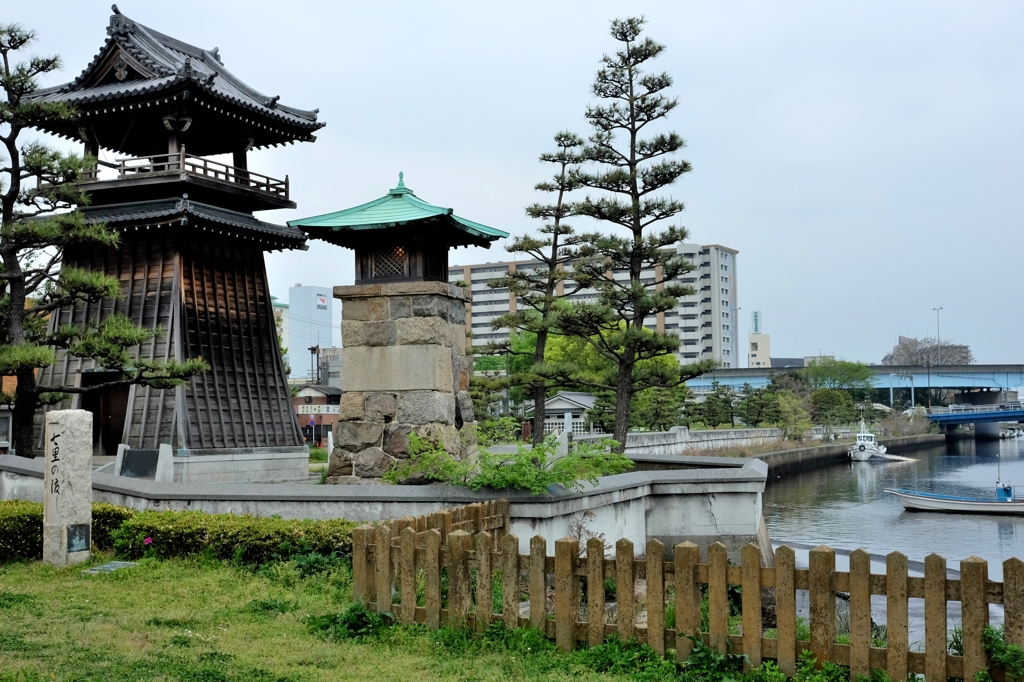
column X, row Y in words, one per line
column 964, row 377
column 986, row 394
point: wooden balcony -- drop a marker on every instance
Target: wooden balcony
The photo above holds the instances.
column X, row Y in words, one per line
column 245, row 189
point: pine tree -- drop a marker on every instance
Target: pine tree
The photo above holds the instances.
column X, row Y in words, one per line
column 38, row 223
column 631, row 169
column 536, row 287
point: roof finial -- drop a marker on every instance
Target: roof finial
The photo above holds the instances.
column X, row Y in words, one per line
column 115, row 9
column 401, row 188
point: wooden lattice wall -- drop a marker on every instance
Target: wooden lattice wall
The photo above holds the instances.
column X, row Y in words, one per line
column 210, row 298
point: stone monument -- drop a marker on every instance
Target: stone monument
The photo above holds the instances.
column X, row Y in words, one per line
column 67, row 487
column 404, row 363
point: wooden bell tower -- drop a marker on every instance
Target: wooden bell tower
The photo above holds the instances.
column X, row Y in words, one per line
column 191, row 255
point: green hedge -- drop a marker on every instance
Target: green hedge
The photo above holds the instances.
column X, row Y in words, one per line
column 246, row 539
column 21, row 528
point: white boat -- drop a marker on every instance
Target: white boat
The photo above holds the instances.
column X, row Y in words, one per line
column 866, row 446
column 1003, row 503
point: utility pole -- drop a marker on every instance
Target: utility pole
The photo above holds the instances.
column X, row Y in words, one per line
column 314, row 364
column 938, row 333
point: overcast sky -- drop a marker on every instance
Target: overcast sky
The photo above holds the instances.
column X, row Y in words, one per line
column 865, row 158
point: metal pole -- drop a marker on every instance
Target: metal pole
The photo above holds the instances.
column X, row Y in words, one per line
column 928, row 364
column 912, row 402
column 938, row 333
column 891, row 403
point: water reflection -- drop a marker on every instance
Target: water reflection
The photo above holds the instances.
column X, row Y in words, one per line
column 843, row 506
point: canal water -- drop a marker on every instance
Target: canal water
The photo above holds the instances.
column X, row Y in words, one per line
column 844, row 506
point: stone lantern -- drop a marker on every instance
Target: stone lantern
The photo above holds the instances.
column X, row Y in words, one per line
column 404, row 363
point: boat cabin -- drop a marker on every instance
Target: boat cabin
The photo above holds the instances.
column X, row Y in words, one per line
column 865, row 438
column 1004, row 493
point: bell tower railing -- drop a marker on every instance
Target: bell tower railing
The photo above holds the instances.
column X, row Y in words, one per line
column 182, row 163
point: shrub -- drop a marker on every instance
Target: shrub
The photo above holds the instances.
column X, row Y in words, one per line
column 501, row 430
column 106, row 518
column 244, row 539
column 355, row 622
column 529, row 468
column 21, row 528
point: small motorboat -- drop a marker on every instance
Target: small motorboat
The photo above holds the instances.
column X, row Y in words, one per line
column 1003, row 503
column 866, row 446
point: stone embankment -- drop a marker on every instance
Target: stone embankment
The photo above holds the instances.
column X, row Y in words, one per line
column 783, row 461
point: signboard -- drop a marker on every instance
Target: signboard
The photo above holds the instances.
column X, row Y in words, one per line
column 321, row 302
column 319, row 409
column 755, row 322
column 312, row 421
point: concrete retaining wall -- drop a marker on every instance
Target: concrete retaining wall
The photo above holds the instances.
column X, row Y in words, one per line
column 722, row 503
column 802, row 459
column 680, row 440
column 784, row 461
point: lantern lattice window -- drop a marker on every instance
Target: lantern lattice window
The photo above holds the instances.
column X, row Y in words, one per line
column 389, row 262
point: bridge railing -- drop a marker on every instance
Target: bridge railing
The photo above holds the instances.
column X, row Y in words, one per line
column 969, row 409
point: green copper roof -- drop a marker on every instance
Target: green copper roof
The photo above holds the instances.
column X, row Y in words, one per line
column 399, row 207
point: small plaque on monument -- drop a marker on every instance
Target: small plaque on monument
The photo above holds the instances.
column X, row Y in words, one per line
column 139, row 463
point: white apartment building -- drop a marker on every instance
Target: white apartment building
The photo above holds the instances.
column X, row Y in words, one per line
column 706, row 323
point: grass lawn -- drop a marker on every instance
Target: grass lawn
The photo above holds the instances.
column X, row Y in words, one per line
column 208, row 621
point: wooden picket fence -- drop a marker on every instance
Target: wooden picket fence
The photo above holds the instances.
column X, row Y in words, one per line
column 418, row 558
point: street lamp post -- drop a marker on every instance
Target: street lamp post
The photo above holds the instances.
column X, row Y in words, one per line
column 938, row 333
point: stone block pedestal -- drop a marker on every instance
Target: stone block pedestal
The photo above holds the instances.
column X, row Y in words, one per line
column 404, row 370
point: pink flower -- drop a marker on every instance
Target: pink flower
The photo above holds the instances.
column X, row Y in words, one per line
column 148, row 541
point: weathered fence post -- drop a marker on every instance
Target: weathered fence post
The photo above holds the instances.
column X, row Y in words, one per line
column 624, row 586
column 896, row 609
column 538, row 582
column 407, row 575
column 595, row 591
column 934, row 618
column 361, row 538
column 567, row 590
column 718, row 596
column 785, row 608
column 751, row 567
column 860, row 614
column 656, row 596
column 67, row 487
column 484, row 608
column 458, row 579
column 432, row 571
column 382, row 568
column 1013, row 601
column 823, row 602
column 510, row 581
column 687, row 556
column 973, row 575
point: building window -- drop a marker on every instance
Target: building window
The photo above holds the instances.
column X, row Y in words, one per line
column 753, row 347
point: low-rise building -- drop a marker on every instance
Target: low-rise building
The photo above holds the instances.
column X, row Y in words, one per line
column 317, row 408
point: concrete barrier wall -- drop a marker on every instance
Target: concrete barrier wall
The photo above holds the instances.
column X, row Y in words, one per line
column 681, row 440
column 700, row 505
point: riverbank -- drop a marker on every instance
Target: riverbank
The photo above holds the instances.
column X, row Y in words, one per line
column 782, row 462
